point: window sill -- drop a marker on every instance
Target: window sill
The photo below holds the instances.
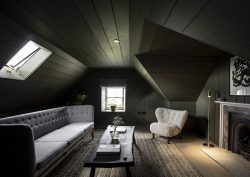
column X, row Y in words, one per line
column 115, row 111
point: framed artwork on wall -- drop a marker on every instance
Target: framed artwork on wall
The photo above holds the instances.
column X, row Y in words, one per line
column 239, row 76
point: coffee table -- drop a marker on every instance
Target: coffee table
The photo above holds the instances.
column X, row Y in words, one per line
column 126, row 157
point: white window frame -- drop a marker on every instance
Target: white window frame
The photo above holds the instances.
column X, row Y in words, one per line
column 26, row 61
column 104, row 99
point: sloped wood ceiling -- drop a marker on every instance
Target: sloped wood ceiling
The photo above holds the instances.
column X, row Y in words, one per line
column 222, row 24
column 85, row 29
column 47, row 83
column 180, row 65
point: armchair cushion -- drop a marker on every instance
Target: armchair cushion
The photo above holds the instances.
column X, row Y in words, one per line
column 170, row 122
column 164, row 129
column 171, row 116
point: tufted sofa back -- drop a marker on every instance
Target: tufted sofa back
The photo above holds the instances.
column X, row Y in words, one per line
column 80, row 113
column 41, row 122
column 171, row 116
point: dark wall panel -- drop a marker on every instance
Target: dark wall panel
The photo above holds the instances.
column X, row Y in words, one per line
column 176, row 61
column 191, row 123
column 141, row 97
column 218, row 81
column 84, row 29
column 189, row 106
column 41, row 90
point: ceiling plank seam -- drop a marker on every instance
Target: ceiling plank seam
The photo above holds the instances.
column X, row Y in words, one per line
column 171, row 11
column 117, row 62
column 87, row 56
column 84, row 21
column 117, row 33
column 197, row 14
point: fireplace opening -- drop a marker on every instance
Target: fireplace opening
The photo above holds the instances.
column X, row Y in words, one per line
column 244, row 146
column 239, row 141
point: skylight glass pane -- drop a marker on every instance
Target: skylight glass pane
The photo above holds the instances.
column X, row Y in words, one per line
column 34, row 62
column 27, row 50
column 115, row 92
column 25, row 62
column 21, row 63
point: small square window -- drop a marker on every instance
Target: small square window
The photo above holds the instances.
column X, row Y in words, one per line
column 113, row 96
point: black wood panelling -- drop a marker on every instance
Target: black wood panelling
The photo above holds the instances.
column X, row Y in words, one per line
column 46, row 84
column 191, row 124
column 84, row 29
column 160, row 11
column 221, row 24
column 183, row 13
column 141, row 97
column 218, row 81
column 178, row 64
column 137, row 12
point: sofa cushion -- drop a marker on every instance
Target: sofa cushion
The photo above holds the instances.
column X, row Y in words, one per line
column 61, row 135
column 164, row 129
column 45, row 151
column 80, row 126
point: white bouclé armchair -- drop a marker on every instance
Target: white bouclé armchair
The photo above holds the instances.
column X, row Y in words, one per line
column 170, row 122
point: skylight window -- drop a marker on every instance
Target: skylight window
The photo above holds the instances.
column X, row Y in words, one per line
column 23, row 55
column 25, row 61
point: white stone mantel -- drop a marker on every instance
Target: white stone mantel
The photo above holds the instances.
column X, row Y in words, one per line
column 224, row 118
column 242, row 105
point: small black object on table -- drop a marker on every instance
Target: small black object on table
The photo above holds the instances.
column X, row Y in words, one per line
column 124, row 159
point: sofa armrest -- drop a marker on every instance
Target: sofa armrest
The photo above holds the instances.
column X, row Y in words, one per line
column 80, row 113
column 17, row 152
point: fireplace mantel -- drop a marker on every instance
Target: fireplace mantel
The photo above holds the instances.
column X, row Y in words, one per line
column 225, row 108
column 242, row 105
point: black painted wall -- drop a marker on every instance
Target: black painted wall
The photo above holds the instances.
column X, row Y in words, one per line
column 46, row 85
column 218, row 81
column 140, row 96
column 191, row 123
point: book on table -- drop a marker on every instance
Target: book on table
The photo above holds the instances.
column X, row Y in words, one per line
column 109, row 149
column 118, row 129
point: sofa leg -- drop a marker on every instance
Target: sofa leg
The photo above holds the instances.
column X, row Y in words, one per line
column 167, row 139
column 180, row 136
column 92, row 134
column 153, row 135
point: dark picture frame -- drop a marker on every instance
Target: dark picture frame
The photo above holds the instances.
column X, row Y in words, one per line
column 239, row 76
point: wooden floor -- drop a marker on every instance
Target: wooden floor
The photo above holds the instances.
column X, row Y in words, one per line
column 191, row 147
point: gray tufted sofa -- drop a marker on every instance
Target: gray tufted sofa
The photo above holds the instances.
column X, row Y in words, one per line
column 33, row 143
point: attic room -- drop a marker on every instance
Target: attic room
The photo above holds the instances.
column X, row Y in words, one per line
column 113, row 88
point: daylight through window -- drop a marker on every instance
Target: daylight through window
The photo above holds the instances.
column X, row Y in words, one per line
column 23, row 55
column 25, row 61
column 113, row 96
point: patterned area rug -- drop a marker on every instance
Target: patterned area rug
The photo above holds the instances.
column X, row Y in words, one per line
column 153, row 158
